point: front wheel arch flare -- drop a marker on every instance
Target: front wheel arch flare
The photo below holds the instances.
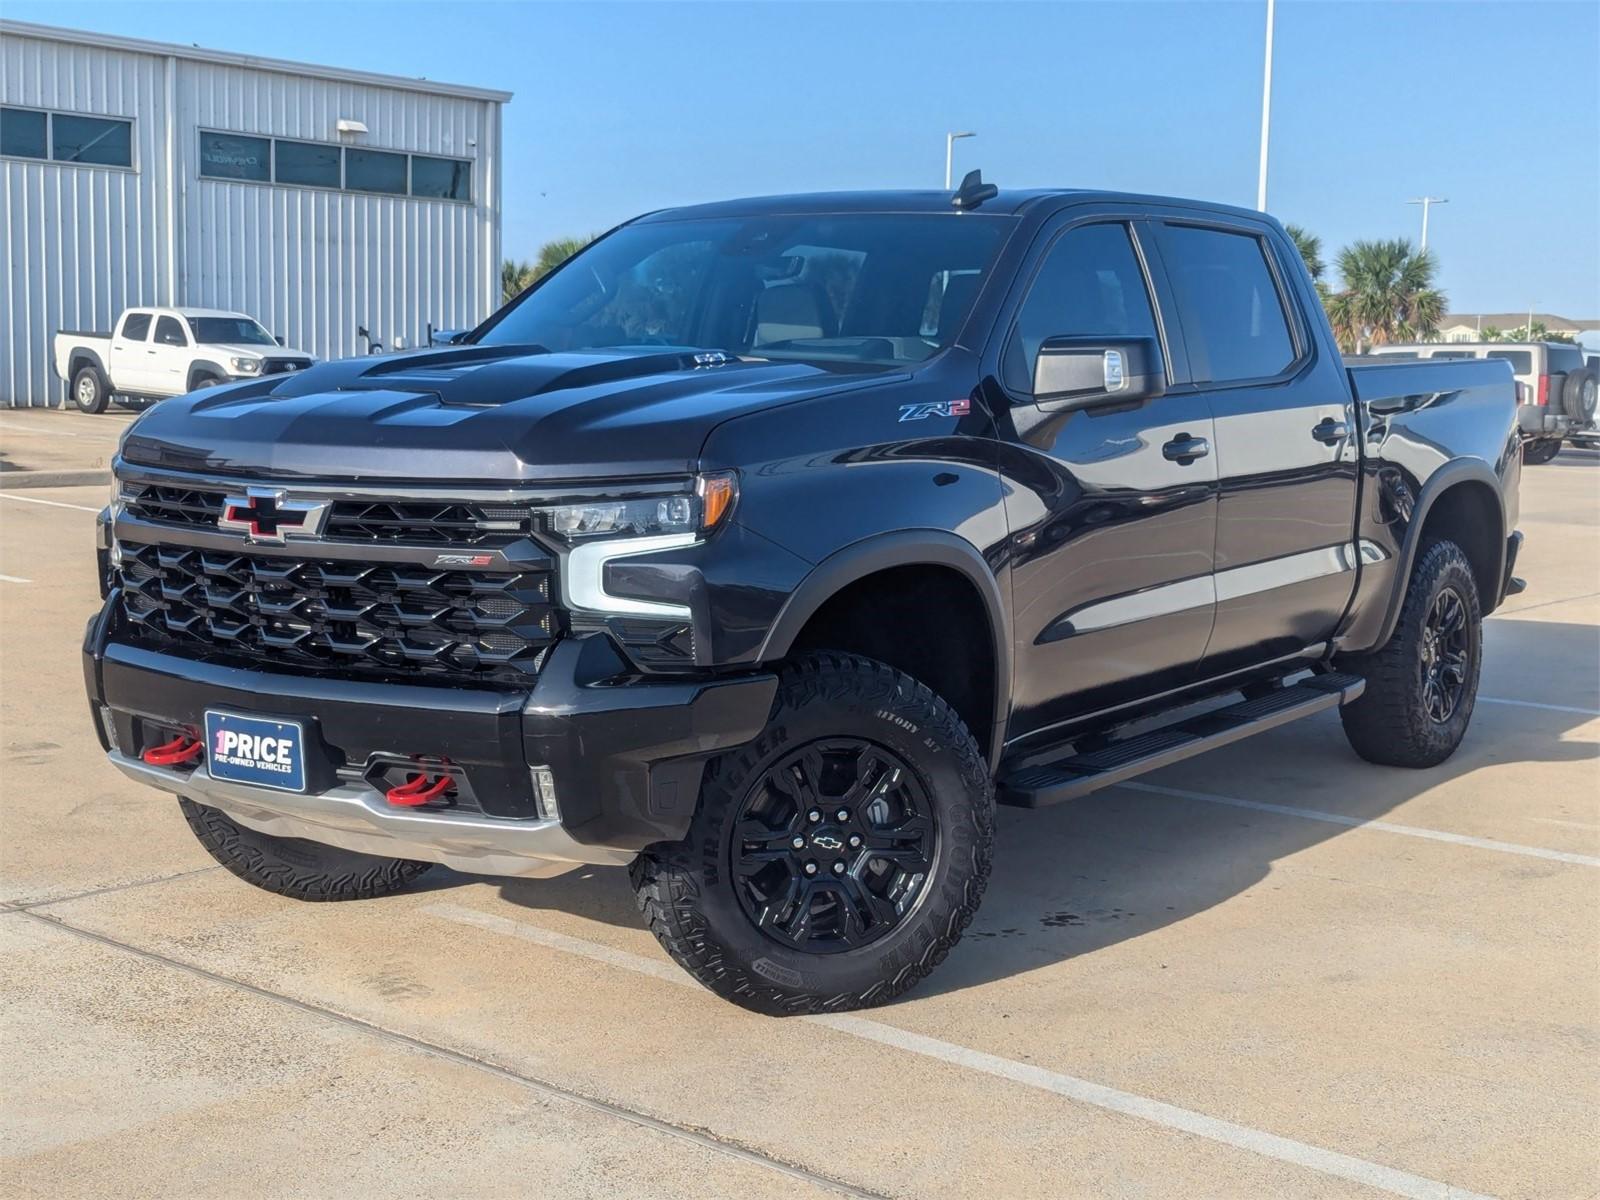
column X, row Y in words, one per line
column 905, row 548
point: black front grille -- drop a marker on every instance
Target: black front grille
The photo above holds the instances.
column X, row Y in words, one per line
column 425, row 523
column 171, row 505
column 387, row 619
column 408, row 522
column 277, row 366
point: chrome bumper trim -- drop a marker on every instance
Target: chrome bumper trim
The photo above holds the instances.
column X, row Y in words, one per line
column 355, row 817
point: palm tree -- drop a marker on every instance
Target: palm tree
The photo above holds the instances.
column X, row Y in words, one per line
column 553, row 254
column 1389, row 295
column 1310, row 247
column 1490, row 333
column 515, row 278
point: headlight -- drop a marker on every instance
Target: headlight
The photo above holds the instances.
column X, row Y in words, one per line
column 599, row 531
column 246, row 366
column 700, row 512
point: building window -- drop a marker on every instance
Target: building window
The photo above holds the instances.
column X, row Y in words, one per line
column 94, row 140
column 22, row 133
column 230, row 156
column 441, row 178
column 375, row 171
column 309, row 164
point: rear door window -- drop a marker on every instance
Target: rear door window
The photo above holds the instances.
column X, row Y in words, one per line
column 1090, row 284
column 135, row 327
column 1234, row 320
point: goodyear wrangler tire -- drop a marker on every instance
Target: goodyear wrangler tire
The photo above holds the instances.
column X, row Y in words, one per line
column 293, row 867
column 1422, row 684
column 834, row 861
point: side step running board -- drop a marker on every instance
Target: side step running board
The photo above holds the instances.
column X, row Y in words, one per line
column 1069, row 778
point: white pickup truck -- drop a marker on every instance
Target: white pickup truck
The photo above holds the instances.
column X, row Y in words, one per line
column 158, row 352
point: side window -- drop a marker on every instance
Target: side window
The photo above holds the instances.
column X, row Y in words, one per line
column 234, row 156
column 135, row 327
column 1090, row 284
column 1233, row 317
column 170, row 333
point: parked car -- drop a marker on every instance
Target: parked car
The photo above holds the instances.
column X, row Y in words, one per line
column 763, row 546
column 158, row 352
column 1556, row 388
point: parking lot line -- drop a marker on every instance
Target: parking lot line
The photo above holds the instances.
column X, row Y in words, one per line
column 1169, row 1116
column 13, row 579
column 1312, row 814
column 51, row 503
column 1582, row 712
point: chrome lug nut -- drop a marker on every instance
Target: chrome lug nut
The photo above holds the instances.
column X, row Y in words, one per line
column 811, row 868
column 813, row 815
column 838, row 867
column 855, row 840
column 799, row 843
column 843, row 814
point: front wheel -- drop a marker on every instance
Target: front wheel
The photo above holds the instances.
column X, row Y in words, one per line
column 1536, row 454
column 834, row 861
column 293, row 867
column 1422, row 684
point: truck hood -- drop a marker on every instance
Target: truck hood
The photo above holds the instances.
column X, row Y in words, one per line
column 487, row 415
column 251, row 350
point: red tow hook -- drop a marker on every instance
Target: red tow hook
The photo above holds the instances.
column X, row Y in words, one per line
column 180, row 749
column 418, row 791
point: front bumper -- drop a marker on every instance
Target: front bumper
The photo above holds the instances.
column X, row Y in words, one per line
column 626, row 753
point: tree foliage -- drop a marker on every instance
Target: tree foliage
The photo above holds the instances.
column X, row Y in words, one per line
column 1310, row 247
column 1388, row 295
column 516, row 276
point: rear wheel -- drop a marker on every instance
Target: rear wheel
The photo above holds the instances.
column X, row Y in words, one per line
column 89, row 390
column 834, row 861
column 293, row 867
column 1422, row 685
column 1536, row 454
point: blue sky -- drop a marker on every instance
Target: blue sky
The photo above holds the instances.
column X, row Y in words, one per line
column 621, row 108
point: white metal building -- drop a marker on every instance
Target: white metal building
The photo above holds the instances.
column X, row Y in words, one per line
column 318, row 201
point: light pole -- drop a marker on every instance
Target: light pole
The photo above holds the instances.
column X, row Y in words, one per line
column 949, row 153
column 1266, row 113
column 1427, row 202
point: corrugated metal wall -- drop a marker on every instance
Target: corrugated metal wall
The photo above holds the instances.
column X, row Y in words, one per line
column 82, row 243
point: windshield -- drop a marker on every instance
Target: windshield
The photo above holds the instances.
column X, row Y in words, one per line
column 876, row 288
column 230, row 331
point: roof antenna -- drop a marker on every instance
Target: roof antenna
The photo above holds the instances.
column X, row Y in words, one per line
column 973, row 191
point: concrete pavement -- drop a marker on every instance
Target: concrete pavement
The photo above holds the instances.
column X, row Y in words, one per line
column 1275, row 970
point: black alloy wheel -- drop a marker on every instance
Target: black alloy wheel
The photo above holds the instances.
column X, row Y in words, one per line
column 1446, row 645
column 833, row 846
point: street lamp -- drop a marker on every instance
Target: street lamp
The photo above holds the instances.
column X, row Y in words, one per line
column 949, row 151
column 1427, row 202
column 1266, row 113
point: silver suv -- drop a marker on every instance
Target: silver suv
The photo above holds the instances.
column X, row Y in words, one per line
column 1556, row 388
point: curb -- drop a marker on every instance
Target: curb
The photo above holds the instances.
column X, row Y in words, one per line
column 16, row 480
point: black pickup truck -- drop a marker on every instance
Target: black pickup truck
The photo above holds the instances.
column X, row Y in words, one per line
column 766, row 545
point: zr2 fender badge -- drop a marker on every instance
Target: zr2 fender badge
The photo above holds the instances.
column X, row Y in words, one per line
column 463, row 560
column 935, row 408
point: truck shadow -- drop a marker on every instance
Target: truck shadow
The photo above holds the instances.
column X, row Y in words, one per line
column 1123, row 862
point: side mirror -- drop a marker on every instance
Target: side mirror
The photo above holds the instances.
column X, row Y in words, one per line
column 1085, row 372
column 280, row 340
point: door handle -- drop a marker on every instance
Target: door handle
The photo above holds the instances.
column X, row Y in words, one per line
column 149, row 351
column 1184, row 449
column 1328, row 431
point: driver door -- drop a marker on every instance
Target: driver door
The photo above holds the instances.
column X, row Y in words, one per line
column 1112, row 532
